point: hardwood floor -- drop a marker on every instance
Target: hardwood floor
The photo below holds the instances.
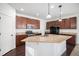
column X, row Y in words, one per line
column 20, row 51
column 69, row 50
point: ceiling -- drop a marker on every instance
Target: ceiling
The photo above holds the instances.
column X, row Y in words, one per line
column 40, row 10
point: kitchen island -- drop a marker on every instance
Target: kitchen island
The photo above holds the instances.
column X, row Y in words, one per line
column 48, row 45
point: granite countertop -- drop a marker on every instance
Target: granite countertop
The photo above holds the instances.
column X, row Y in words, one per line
column 50, row 38
column 21, row 33
column 69, row 33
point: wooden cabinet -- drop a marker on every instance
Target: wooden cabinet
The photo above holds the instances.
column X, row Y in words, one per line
column 51, row 23
column 36, row 24
column 21, row 22
column 19, row 38
column 72, row 40
column 73, row 22
column 48, row 25
column 61, row 24
column 69, row 23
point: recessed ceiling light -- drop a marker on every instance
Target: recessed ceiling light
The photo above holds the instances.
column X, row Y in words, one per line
column 22, row 9
column 52, row 6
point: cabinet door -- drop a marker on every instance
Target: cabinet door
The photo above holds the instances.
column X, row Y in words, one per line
column 61, row 24
column 19, row 38
column 36, row 24
column 20, row 22
column 54, row 24
column 72, row 40
column 47, row 25
column 67, row 24
column 73, row 22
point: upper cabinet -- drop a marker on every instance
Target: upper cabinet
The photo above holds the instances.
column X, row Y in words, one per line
column 22, row 23
column 73, row 22
column 61, row 24
column 69, row 23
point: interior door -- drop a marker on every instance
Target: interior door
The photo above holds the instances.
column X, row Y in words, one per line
column 5, row 37
column 0, row 35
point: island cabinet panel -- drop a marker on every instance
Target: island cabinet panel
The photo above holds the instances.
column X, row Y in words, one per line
column 19, row 38
column 68, row 23
column 21, row 22
column 72, row 40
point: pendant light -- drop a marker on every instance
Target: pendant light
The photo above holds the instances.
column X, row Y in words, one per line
column 48, row 16
column 60, row 12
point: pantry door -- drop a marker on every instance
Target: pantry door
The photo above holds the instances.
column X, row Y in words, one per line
column 6, row 41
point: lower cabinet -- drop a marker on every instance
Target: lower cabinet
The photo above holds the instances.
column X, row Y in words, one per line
column 72, row 40
column 19, row 38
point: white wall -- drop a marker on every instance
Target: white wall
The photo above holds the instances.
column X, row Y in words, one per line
column 77, row 41
column 42, row 26
column 7, row 9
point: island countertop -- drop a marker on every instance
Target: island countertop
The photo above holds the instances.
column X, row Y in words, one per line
column 50, row 38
